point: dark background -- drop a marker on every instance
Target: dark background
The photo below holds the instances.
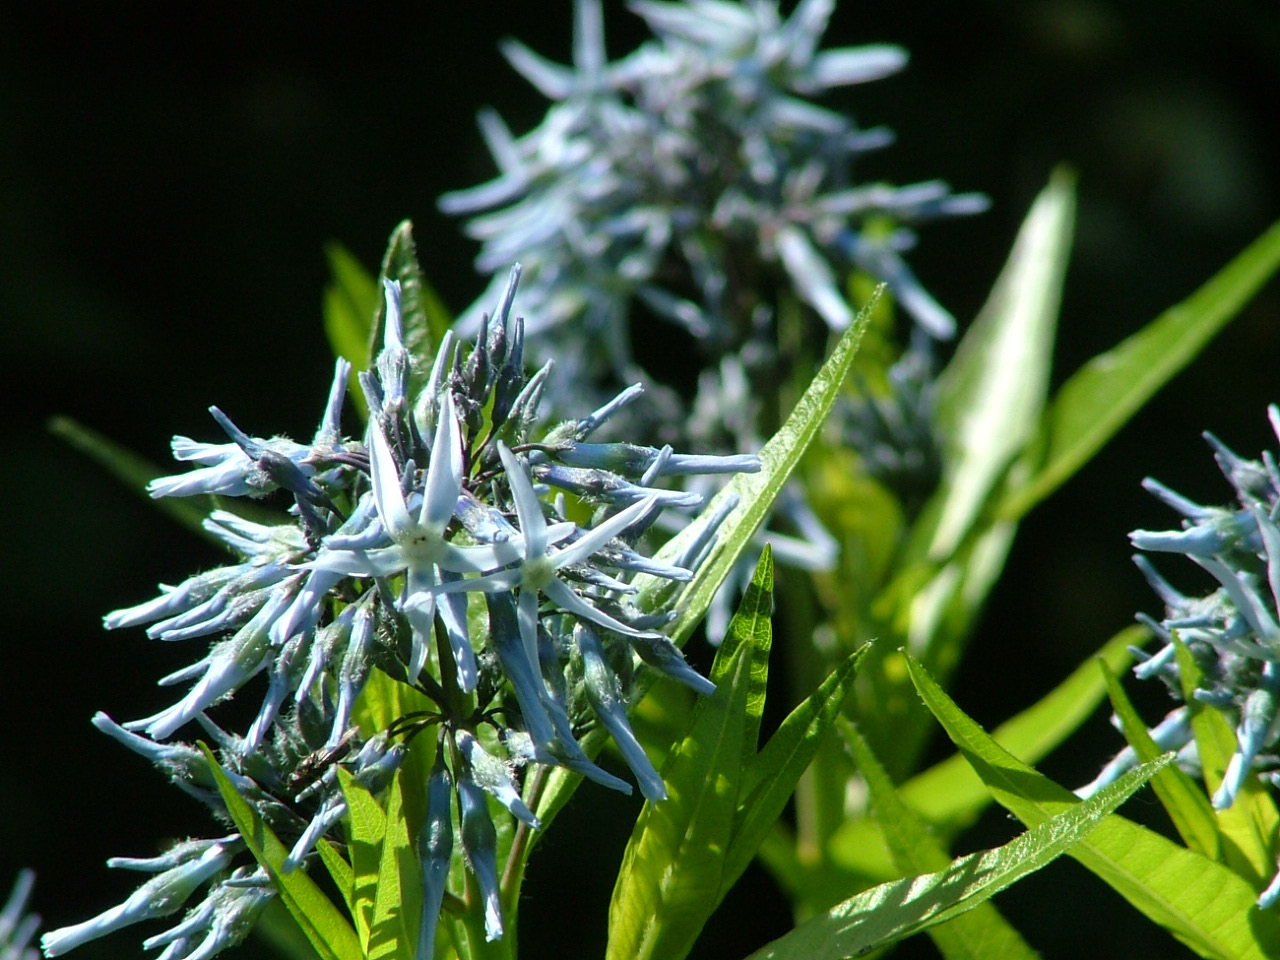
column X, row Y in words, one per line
column 169, row 177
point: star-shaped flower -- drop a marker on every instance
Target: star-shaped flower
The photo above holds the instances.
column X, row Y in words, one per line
column 536, row 567
column 419, row 548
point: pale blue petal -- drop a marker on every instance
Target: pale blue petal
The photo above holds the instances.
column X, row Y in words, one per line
column 386, row 483
column 593, row 540
column 444, row 474
column 566, row 598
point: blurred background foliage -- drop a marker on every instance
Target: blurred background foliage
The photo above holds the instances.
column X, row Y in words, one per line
column 171, row 174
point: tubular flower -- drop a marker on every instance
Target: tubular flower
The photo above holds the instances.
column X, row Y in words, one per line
column 450, row 492
column 1232, row 632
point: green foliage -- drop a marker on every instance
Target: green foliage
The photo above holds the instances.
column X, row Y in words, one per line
column 1108, row 390
column 753, row 496
column 688, row 851
column 326, row 928
column 672, row 868
column 1186, row 803
column 991, row 395
column 1250, row 826
column 424, row 316
column 900, row 908
column 980, row 934
column 1204, row 904
column 384, row 871
column 755, row 493
column 949, row 796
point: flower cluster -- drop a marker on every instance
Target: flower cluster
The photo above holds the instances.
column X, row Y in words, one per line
column 17, row 927
column 454, row 550
column 694, row 176
column 1233, row 633
column 696, row 180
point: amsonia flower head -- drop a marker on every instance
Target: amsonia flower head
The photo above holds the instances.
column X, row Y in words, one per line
column 458, row 549
column 1232, row 631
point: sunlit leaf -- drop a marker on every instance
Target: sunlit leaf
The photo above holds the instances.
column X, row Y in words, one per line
column 399, row 887
column 1203, row 903
column 1183, row 799
column 991, row 395
column 1102, row 395
column 754, row 494
column 1249, row 826
column 980, row 934
column 350, row 301
column 319, row 919
column 366, row 827
column 422, row 312
column 895, row 910
column 671, row 871
column 773, row 774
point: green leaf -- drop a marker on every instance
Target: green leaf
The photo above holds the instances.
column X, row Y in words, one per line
column 1183, row 799
column 423, row 314
column 350, row 302
column 367, row 825
column 1102, row 395
column 892, row 911
column 671, row 870
column 773, row 774
column 752, row 627
column 340, row 871
column 319, row 919
column 135, row 472
column 276, row 928
column 1248, row 827
column 981, row 934
column 949, row 796
column 399, row 888
column 991, row 395
column 1204, row 904
column 754, row 495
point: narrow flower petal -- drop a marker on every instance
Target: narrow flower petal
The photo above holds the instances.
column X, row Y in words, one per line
column 386, row 483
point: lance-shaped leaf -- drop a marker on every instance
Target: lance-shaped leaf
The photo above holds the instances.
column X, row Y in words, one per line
column 1204, row 904
column 752, row 497
column 774, row 772
column 1249, row 825
column 319, row 919
column 394, row 932
column 753, row 493
column 897, row 909
column 981, row 934
column 366, row 829
column 991, row 395
column 1183, row 800
column 1101, row 396
column 424, row 317
column 350, row 300
column 949, row 796
column 673, row 865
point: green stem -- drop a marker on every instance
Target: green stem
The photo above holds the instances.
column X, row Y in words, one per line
column 518, row 855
